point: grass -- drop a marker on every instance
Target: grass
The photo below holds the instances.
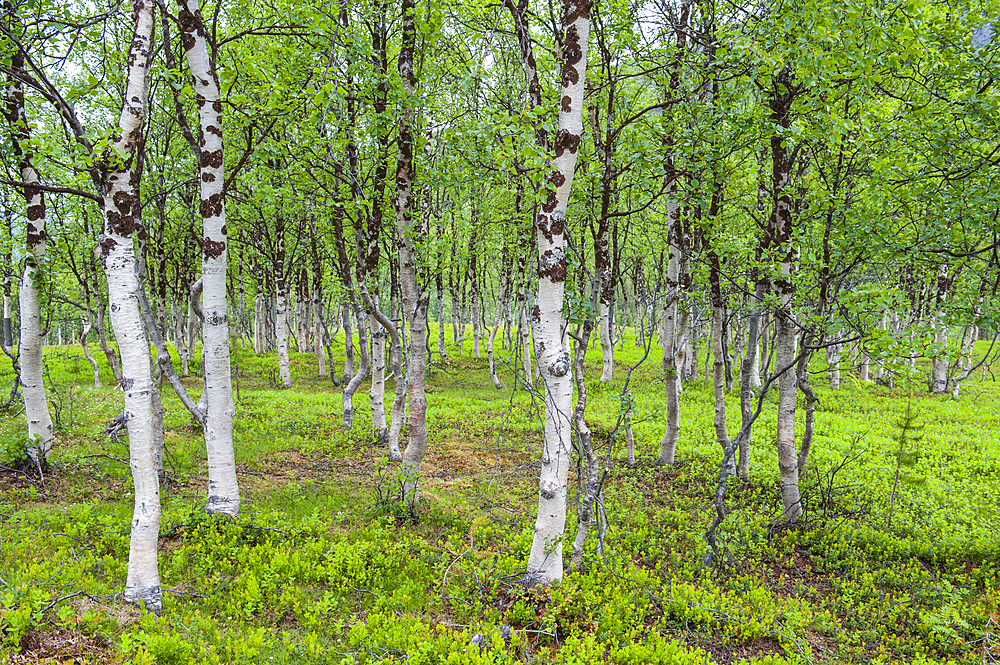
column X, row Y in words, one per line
column 321, row 568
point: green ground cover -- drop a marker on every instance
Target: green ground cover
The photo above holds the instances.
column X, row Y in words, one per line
column 322, row 568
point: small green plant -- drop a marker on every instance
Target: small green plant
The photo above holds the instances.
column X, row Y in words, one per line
column 906, row 456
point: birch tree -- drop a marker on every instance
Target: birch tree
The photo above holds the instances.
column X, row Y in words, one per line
column 120, row 203
column 36, row 408
column 414, row 300
column 223, row 489
column 552, row 352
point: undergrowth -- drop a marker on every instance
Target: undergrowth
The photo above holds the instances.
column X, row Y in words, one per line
column 897, row 560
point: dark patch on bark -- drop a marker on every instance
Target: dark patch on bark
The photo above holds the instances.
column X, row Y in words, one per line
column 550, row 202
column 123, row 225
column 567, row 104
column 212, row 206
column 566, row 141
column 552, row 266
column 536, row 314
column 188, row 25
column 34, row 237
column 207, row 177
column 128, row 383
column 211, row 160
column 557, row 178
column 224, row 232
column 107, row 245
column 123, row 202
column 213, row 249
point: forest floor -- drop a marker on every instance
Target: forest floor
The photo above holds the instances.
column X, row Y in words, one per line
column 323, row 566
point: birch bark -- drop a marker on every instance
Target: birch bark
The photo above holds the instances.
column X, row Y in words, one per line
column 939, row 369
column 281, row 305
column 545, row 560
column 36, row 408
column 785, row 329
column 120, row 205
column 414, row 301
column 675, row 238
column 223, row 488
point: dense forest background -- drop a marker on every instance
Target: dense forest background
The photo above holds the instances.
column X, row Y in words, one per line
column 593, row 332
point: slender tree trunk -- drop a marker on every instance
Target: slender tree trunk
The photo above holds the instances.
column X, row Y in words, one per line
column 317, row 300
column 833, row 363
column 87, row 327
column 120, row 202
column 939, row 368
column 223, row 489
column 414, row 301
column 785, row 329
column 719, row 366
column 281, row 306
column 8, row 329
column 113, row 362
column 498, row 317
column 751, row 365
column 545, row 560
column 36, row 408
column 675, row 239
column 668, row 339
column 587, row 513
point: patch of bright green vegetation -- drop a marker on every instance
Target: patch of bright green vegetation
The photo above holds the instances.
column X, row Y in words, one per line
column 322, row 568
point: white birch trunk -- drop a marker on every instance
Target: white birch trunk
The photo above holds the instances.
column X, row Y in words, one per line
column 719, row 385
column 476, row 330
column 259, row 324
column 863, row 366
column 497, row 319
column 833, row 363
column 607, row 343
column 318, row 333
column 86, row 352
column 668, row 445
column 119, row 202
column 36, row 408
column 545, row 560
column 223, row 489
column 525, row 342
column 414, row 302
column 281, row 333
column 377, row 390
